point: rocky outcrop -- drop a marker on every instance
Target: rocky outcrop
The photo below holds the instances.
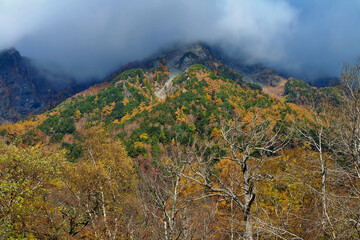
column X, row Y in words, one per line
column 26, row 89
column 179, row 57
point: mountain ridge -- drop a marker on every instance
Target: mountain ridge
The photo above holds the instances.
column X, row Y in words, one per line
column 181, row 56
column 27, row 89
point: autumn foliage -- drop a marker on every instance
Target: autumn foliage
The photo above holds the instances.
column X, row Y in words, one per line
column 216, row 159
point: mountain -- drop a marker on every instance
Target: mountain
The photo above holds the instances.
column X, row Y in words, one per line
column 26, row 89
column 170, row 149
column 181, row 56
column 195, row 98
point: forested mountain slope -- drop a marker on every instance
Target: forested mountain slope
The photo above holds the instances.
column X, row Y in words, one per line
column 197, row 101
column 27, row 89
column 212, row 158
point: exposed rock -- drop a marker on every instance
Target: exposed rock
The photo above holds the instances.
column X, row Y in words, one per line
column 162, row 92
column 256, row 73
column 267, row 77
column 179, row 57
column 24, row 89
column 277, row 91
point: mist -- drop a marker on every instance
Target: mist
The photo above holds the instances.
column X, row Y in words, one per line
column 87, row 39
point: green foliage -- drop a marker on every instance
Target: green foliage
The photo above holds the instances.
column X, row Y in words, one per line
column 57, row 127
column 196, row 67
column 3, row 132
column 203, row 98
column 130, row 74
column 299, row 92
column 99, row 175
column 227, row 73
column 255, row 86
column 74, row 151
column 296, row 90
column 30, row 138
column 179, row 79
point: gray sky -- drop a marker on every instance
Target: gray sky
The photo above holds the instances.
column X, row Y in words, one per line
column 92, row 37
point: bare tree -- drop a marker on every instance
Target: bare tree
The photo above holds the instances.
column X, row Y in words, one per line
column 316, row 132
column 173, row 199
column 346, row 133
column 248, row 144
column 348, row 114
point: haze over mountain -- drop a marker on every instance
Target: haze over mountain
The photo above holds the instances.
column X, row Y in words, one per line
column 309, row 39
column 185, row 119
column 27, row 88
column 181, row 56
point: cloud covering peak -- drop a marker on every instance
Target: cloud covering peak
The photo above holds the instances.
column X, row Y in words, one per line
column 92, row 37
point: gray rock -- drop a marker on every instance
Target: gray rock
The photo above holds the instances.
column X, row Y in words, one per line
column 23, row 88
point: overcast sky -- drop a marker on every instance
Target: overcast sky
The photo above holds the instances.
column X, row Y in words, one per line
column 92, row 37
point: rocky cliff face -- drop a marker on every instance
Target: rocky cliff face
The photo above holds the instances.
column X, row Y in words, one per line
column 180, row 57
column 25, row 89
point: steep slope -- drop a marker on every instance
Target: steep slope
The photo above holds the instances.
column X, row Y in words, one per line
column 179, row 57
column 26, row 89
column 195, row 104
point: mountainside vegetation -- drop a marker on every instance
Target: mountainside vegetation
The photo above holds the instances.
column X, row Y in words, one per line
column 300, row 92
column 217, row 158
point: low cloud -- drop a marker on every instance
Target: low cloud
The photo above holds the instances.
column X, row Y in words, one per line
column 91, row 38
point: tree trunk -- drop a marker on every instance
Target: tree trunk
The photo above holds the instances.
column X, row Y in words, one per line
column 323, row 194
column 248, row 200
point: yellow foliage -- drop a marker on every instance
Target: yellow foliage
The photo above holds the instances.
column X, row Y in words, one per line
column 106, row 173
column 116, row 121
column 108, row 109
column 180, row 115
column 144, row 136
column 28, row 176
column 15, row 130
column 125, row 118
column 142, row 107
column 125, row 101
column 96, row 100
column 216, row 133
column 54, row 113
column 212, row 118
column 138, row 145
column 77, row 114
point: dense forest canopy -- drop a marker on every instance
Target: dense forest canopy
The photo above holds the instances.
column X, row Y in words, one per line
column 216, row 158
